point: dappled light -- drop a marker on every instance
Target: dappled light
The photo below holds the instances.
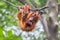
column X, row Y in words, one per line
column 42, row 21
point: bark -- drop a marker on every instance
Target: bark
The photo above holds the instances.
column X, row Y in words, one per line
column 58, row 7
column 52, row 22
column 44, row 23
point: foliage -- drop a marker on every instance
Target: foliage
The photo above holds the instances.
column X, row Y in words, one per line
column 8, row 18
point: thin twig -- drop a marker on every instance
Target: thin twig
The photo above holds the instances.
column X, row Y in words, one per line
column 10, row 3
column 35, row 9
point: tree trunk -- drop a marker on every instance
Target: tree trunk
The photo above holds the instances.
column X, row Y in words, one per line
column 52, row 21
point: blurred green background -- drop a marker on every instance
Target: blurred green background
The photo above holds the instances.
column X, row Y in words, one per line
column 8, row 19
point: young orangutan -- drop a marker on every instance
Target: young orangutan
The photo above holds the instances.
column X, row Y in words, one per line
column 27, row 19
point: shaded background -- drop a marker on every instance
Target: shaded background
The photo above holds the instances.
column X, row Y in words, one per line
column 8, row 23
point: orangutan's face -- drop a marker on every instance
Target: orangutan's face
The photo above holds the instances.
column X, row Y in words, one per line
column 29, row 20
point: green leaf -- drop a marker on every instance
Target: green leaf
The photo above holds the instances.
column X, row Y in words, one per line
column 9, row 33
column 2, row 5
column 17, row 38
column 1, row 32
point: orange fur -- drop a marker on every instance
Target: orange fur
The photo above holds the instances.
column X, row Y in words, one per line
column 24, row 21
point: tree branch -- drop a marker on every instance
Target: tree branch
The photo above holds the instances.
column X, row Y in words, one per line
column 34, row 4
column 44, row 23
column 25, row 2
column 58, row 7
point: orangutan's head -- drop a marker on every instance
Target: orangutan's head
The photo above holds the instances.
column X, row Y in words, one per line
column 27, row 18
